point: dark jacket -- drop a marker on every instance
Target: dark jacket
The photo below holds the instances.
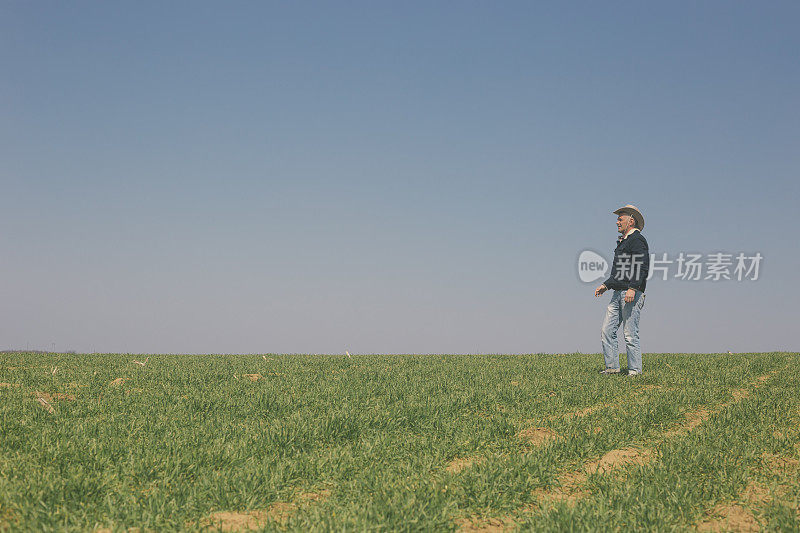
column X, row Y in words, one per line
column 631, row 264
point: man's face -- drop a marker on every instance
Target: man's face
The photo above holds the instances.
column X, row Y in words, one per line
column 624, row 223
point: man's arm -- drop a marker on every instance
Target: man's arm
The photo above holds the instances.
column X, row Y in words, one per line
column 612, row 282
column 640, row 256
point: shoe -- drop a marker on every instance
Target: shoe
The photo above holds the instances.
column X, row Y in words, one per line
column 608, row 371
column 633, row 372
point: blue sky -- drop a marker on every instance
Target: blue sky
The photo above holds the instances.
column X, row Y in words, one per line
column 390, row 177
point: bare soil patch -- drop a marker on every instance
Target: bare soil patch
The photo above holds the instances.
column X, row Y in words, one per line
column 760, row 380
column 757, row 494
column 277, row 513
column 618, row 459
column 462, row 463
column 257, row 519
column 45, row 400
column 587, row 411
column 252, row 377
column 780, row 463
column 726, row 517
column 54, row 396
column 484, row 525
column 281, row 512
column 568, row 491
column 740, row 394
column 692, row 421
column 310, row 497
column 117, row 382
column 233, row 521
column 46, row 405
column 538, row 436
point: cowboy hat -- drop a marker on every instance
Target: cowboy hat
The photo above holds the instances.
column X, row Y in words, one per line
column 633, row 211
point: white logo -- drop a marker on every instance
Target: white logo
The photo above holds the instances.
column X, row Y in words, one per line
column 591, row 266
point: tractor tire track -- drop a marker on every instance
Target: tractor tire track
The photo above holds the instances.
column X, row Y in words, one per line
column 572, row 487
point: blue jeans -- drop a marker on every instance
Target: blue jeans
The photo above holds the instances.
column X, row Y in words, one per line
column 627, row 314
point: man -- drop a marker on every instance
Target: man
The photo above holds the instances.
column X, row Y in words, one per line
column 627, row 281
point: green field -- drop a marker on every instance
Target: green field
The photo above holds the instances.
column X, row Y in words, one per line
column 387, row 443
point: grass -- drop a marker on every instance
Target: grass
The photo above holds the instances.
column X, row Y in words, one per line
column 331, row 443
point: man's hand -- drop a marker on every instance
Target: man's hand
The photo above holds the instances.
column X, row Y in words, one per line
column 629, row 294
column 600, row 290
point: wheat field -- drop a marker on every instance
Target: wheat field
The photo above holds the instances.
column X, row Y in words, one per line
column 119, row 442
